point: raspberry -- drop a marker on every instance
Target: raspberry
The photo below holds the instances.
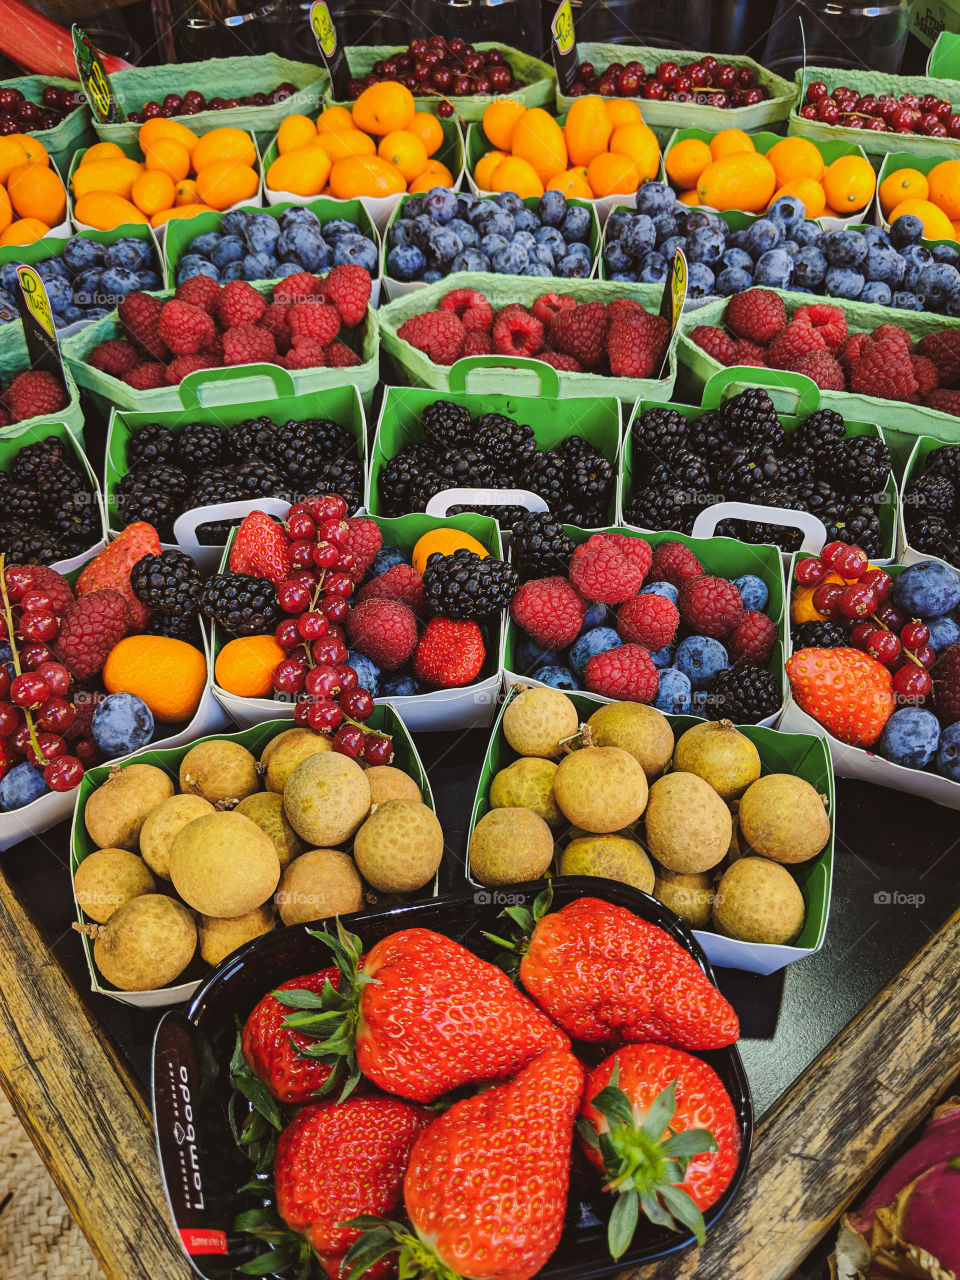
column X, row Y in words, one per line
column 314, row 319
column 883, row 370
column 306, row 353
column 550, row 610
column 946, row 685
column 185, row 329
column 602, row 571
column 750, row 353
column 364, row 542
column 752, row 639
column 178, row 369
column 90, row 629
column 757, row 314
column 438, row 334
column 710, row 606
column 715, row 342
column 636, row 344
column 626, row 673
column 383, row 630
column 34, row 393
column 479, row 344
column 348, row 288
column 470, row 307
column 581, row 332
column 549, row 305
column 402, row 583
column 851, row 350
column 635, row 549
column 796, row 339
column 822, row 367
column 830, row 323
column 140, row 314
column 926, row 373
column 239, row 304
column 42, row 578
column 896, row 333
column 943, row 349
column 557, row 360
column 115, row 357
column 339, row 356
column 648, row 620
column 450, row 654
column 147, row 377
column 944, row 401
column 675, row 563
column 199, row 291
column 248, row 344
column 621, row 307
column 517, row 333
column 274, row 320
column 297, row 288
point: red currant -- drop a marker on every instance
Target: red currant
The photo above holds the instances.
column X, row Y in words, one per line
column 11, row 719
column 287, row 635
column 349, row 740
column 377, row 749
column 4, row 683
column 350, row 565
column 29, row 690
column 338, row 584
column 915, row 634
column 881, row 583
column 324, row 681
column 21, row 738
column 810, row 573
column 86, row 749
column 301, row 527
column 293, row 596
column 335, row 608
column 63, row 773
column 39, row 626
column 288, row 676
column 890, row 616
column 830, row 553
column 911, row 683
column 36, row 602
column 57, row 715
column 51, row 745
column 857, row 601
column 301, row 554
column 861, row 632
column 18, row 582
column 884, row 646
column 358, row 704
column 326, row 555
column 926, row 655
column 335, row 531
column 324, row 715
column 329, row 507
column 330, row 650
column 348, row 678
column 851, row 563
column 56, row 675
column 35, row 655
column 826, row 599
column 301, row 712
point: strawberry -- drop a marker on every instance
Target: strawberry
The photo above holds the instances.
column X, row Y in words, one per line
column 111, row 568
column 486, row 1186
column 662, row 1127
column 848, row 692
column 603, row 974
column 337, row 1160
column 261, row 549
column 276, row 1055
column 449, row 654
column 421, row 1015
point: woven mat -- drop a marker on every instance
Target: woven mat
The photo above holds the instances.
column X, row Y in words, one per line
column 38, row 1238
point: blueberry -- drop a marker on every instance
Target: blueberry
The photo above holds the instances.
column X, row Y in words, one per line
column 572, row 267
column 86, row 288
column 809, row 267
column 261, row 233
column 70, row 315
column 509, row 200
column 406, row 262
column 52, row 269
column 9, row 311
column 117, row 283
column 927, row 589
column 234, row 271
column 579, row 249
column 845, row 248
column 701, row 659
column 500, row 223
column 552, row 208
column 510, row 261
column 806, row 233
column 877, row 292
column 306, row 246
column 400, row 232
column 526, row 220
column 654, row 198
column 440, row 204
column 875, row 236
column 80, row 254
column 358, row 250
column 665, row 589
column 733, row 280
column 701, row 282
column 413, row 207
column 753, row 591
column 640, row 236
column 9, row 279
column 939, row 284
column 122, row 723
column 96, row 313
column 774, row 269
column 129, row 253
column 944, row 632
column 791, row 247
column 916, row 257
column 910, row 737
column 466, row 234
column 259, row 266
column 671, row 245
column 431, row 277
column 528, row 654
column 843, row 282
column 229, row 249
column 465, row 202
column 789, row 210
column 696, row 218
column 576, row 224
column 400, row 687
column 595, row 616
column 616, row 257
column 290, row 217
column 470, row 260
column 552, row 237
column 907, row 301
column 885, row 264
column 623, row 277
column 654, row 269
column 491, row 244
column 524, row 238
column 149, row 280
column 705, row 245
column 665, row 226
column 736, row 239
column 443, row 245
column 674, row 696
column 590, row 643
column 542, row 254
column 556, row 677
column 948, row 753
column 283, row 270
column 946, row 253
column 60, row 293
column 480, row 214
column 763, row 235
column 737, row 258
column 662, row 657
column 616, row 223
column 336, row 227
column 906, row 230
column 368, row 673
column 22, row 785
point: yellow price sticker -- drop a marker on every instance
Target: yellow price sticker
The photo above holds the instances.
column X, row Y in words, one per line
column 678, row 285
column 35, row 293
column 562, row 27
column 323, row 29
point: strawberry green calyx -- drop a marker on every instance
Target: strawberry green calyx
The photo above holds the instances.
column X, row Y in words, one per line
column 526, row 919
column 381, row 1238
column 645, row 1164
column 285, row 1249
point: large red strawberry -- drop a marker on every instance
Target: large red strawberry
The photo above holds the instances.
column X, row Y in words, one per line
column 261, row 549
column 848, row 692
column 604, row 974
column 449, row 654
column 486, row 1187
column 421, row 1015
column 111, row 568
column 670, row 1139
column 277, row 1055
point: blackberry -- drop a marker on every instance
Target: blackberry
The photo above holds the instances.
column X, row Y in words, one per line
column 658, row 430
column 156, row 495
column 169, row 582
column 820, row 635
column 447, row 425
column 945, row 461
column 465, row 467
column 505, row 516
column 930, row 494
column 260, row 480
column 38, row 459
column 813, row 434
column 398, row 475
column 752, row 531
column 21, row 502
column 546, row 476
column 507, row 445
column 933, row 537
column 252, row 438
column 589, row 477
column 149, row 445
column 303, row 449
column 215, row 485
column 62, row 485
column 199, row 444
column 860, row 526
column 345, row 477
column 583, row 517
column 818, row 498
column 681, row 469
column 176, row 626
column 539, row 546
column 216, row 532
column 76, row 524
column 664, row 508
column 746, row 477
column 744, row 695
column 750, row 419
column 27, row 544
column 860, row 465
column 427, row 482
column 241, row 604
column 707, row 435
column 795, row 468
column 467, row 586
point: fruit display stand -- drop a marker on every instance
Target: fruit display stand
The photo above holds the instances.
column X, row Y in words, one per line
column 399, row 288
column 468, row 707
column 416, row 369
column 167, row 756
column 14, row 358
column 74, row 130
column 874, row 142
column 215, row 386
column 916, row 465
column 662, row 116
column 181, row 231
column 224, row 77
column 550, row 419
column 450, row 153
column 725, row 557
column 801, row 754
column 537, row 90
column 341, row 403
column 806, row 397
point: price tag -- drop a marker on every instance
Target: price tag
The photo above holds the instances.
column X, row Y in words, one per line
column 96, row 83
column 671, row 304
column 38, row 324
column 564, row 46
column 332, row 52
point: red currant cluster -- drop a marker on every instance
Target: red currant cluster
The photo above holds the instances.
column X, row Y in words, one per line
column 19, row 115
column 707, row 81
column 877, row 627
column 37, row 711
column 441, row 66
column 193, row 102
column 315, row 672
column 929, row 115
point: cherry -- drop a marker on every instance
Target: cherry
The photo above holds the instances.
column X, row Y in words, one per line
column 57, row 715
column 826, row 599
column 585, row 72
column 29, row 690
column 861, row 632
column 668, row 73
column 445, row 110
column 884, row 646
column 63, row 773
column 816, row 90
column 857, row 601
column 312, row 625
column 287, row 635
column 324, row 681
column 654, row 91
column 358, row 703
column 349, row 740
column 348, row 678
column 330, row 650
column 288, row 676
column 880, row 582
column 324, row 715
column 911, row 683
column 377, row 749
column 293, row 596
column 809, row 573
column 39, row 626
column 326, row 555
column 338, row 584
column 914, row 635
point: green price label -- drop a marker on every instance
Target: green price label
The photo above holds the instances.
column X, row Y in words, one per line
column 95, row 81
column 562, row 28
column 35, row 294
column 323, row 29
